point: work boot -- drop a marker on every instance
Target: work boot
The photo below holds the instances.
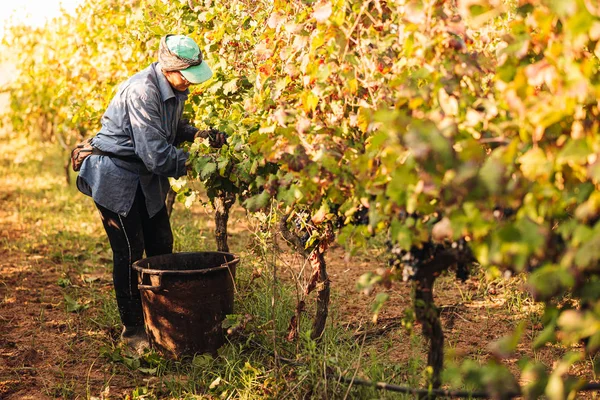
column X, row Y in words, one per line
column 135, row 338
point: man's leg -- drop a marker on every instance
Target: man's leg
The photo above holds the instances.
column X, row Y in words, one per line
column 158, row 237
column 127, row 243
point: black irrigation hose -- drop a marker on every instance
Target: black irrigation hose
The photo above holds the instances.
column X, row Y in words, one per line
column 590, row 387
column 415, row 391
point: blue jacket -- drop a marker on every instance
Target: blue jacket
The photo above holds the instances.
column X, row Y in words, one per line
column 142, row 123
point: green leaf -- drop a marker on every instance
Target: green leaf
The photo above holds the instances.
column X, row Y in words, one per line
column 491, row 174
column 258, row 202
column 132, row 363
column 506, row 346
column 208, row 170
column 593, row 343
column 547, row 335
column 401, row 234
column 532, row 234
column 378, row 303
column 581, row 22
column 509, row 234
column 149, row 371
column 222, row 165
column 202, row 360
column 200, row 163
column 550, row 280
column 64, row 282
column 73, row 305
column 576, row 151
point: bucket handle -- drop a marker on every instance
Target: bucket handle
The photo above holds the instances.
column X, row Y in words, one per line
column 153, row 288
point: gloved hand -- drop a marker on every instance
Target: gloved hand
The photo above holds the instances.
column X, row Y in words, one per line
column 215, row 138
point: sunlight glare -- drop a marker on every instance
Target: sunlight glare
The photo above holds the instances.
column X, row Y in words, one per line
column 34, row 12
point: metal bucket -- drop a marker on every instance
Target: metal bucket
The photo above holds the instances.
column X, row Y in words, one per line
column 185, row 297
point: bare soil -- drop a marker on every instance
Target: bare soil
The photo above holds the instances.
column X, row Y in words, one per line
column 46, row 352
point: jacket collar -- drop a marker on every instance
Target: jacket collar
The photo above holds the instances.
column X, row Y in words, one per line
column 165, row 88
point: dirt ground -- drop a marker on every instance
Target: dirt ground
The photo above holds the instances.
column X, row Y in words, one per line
column 44, row 353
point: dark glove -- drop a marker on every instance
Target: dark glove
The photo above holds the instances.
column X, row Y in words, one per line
column 215, row 138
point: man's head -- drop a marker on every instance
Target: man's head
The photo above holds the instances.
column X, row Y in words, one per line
column 181, row 61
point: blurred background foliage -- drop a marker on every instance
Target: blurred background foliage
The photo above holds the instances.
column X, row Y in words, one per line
column 471, row 121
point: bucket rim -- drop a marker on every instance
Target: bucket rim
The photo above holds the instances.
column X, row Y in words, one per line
column 223, row 266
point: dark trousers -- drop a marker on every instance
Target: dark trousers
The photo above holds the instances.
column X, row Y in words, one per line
column 129, row 236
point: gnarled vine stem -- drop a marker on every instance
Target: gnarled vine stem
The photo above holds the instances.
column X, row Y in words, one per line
column 319, row 279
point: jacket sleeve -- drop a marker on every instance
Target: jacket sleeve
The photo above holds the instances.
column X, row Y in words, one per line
column 185, row 132
column 149, row 136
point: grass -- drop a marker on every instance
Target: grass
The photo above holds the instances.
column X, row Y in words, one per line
column 58, row 230
column 56, row 248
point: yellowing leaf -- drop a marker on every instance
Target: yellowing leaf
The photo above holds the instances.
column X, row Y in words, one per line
column 352, row 85
column 230, row 87
column 309, row 101
column 363, row 119
column 319, row 216
column 535, row 164
column 215, row 383
column 322, row 11
column 448, row 103
column 275, row 20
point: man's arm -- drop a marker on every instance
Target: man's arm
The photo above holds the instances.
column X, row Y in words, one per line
column 185, row 132
column 188, row 133
column 150, row 138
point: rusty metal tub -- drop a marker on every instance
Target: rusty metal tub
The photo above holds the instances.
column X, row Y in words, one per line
column 185, row 297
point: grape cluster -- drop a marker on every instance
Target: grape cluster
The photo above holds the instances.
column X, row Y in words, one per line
column 403, row 215
column 361, row 216
column 301, row 227
column 503, row 212
column 462, row 269
column 409, row 261
column 304, row 238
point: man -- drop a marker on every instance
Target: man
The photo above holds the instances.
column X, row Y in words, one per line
column 134, row 154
